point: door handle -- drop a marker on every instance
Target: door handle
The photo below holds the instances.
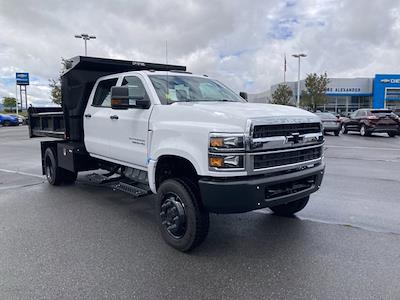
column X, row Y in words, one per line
column 88, row 116
column 114, row 117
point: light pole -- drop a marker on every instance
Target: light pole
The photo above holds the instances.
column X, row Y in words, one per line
column 85, row 37
column 298, row 56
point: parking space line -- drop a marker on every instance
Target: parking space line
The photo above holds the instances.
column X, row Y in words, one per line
column 19, row 186
column 21, row 173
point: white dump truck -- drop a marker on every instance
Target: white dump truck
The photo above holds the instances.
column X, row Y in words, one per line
column 146, row 128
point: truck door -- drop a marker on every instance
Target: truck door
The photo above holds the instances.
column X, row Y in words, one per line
column 128, row 144
column 97, row 120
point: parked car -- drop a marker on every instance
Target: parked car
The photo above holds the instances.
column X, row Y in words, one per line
column 368, row 121
column 21, row 119
column 330, row 122
column 7, row 120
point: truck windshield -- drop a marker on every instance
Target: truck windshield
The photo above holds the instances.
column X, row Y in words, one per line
column 175, row 88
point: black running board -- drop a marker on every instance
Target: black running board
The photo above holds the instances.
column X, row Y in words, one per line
column 120, row 183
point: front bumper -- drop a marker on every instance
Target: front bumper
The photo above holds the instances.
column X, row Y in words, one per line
column 255, row 192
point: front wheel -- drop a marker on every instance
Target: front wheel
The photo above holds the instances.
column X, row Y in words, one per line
column 392, row 134
column 290, row 208
column 183, row 221
column 337, row 132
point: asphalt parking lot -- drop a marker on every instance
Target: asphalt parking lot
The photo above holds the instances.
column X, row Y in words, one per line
column 82, row 241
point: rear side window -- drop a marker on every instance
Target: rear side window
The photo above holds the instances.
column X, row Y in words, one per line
column 382, row 113
column 360, row 113
column 102, row 96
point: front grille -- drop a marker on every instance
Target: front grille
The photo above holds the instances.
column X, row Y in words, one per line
column 280, row 158
column 288, row 188
column 261, row 131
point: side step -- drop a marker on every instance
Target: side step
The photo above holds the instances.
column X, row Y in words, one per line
column 134, row 190
column 120, row 183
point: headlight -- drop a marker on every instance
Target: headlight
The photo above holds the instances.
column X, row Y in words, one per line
column 226, row 141
column 226, row 161
column 226, row 151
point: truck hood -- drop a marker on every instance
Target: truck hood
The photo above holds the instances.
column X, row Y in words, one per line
column 236, row 114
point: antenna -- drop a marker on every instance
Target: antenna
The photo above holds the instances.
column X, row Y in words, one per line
column 166, row 62
column 166, row 52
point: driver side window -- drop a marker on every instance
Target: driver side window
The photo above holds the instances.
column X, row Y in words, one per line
column 136, row 87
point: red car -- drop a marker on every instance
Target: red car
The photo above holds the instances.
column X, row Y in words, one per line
column 368, row 121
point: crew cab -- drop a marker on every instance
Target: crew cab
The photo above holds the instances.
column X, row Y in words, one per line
column 368, row 121
column 189, row 139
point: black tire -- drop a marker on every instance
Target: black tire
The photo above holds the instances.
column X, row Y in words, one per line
column 344, row 129
column 54, row 174
column 337, row 132
column 6, row 123
column 69, row 177
column 183, row 221
column 289, row 209
column 52, row 171
column 364, row 130
column 392, row 134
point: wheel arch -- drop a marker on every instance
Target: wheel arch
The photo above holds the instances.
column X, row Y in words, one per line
column 173, row 166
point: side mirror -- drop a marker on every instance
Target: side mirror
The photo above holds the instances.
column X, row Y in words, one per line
column 243, row 95
column 120, row 99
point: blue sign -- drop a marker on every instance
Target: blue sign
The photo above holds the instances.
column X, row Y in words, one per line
column 386, row 89
column 22, row 78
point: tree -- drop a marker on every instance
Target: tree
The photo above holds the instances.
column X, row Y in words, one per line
column 282, row 95
column 9, row 103
column 55, row 84
column 314, row 95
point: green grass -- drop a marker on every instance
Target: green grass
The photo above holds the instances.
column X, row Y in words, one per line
column 21, row 113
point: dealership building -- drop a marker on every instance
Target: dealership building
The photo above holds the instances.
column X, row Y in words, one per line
column 349, row 94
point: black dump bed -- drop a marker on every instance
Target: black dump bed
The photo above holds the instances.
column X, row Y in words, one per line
column 76, row 85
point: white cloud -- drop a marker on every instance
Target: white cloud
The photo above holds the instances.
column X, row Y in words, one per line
column 241, row 43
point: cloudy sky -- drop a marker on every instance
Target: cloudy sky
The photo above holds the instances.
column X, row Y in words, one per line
column 241, row 43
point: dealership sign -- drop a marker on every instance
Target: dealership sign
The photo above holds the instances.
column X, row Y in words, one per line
column 385, row 80
column 22, row 78
column 343, row 90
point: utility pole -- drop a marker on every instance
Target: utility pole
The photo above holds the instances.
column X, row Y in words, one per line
column 298, row 56
column 86, row 37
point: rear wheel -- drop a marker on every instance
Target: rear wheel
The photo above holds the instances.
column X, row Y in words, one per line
column 344, row 129
column 392, row 134
column 6, row 123
column 69, row 177
column 183, row 221
column 54, row 174
column 337, row 132
column 364, row 131
column 290, row 208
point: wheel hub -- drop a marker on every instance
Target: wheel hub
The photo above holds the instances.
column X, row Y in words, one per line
column 173, row 215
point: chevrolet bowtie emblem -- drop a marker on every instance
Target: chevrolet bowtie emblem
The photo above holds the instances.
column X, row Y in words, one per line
column 295, row 138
